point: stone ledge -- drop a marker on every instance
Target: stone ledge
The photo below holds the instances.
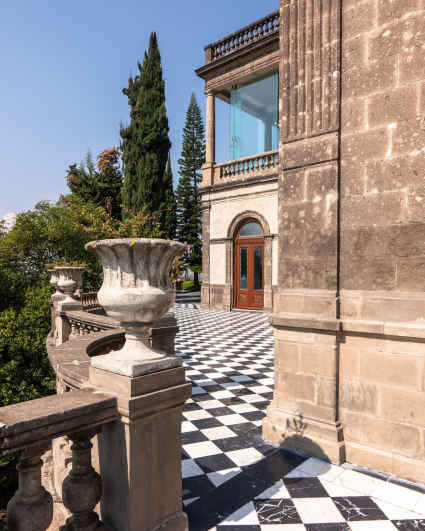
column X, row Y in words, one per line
column 411, row 330
column 43, row 419
column 304, row 320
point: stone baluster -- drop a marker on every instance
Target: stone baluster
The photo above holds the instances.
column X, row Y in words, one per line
column 31, row 508
column 82, row 488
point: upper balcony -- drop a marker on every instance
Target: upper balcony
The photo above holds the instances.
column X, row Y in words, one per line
column 241, row 70
column 262, row 34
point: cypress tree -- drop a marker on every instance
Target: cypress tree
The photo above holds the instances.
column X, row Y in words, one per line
column 189, row 223
column 145, row 143
column 168, row 213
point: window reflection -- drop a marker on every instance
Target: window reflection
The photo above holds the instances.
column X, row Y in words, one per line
column 258, row 268
column 254, row 118
column 252, row 228
column 243, row 274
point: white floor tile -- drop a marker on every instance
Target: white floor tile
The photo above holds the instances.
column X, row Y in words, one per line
column 190, row 500
column 397, row 494
column 258, row 389
column 210, row 404
column 197, row 414
column 335, row 489
column 220, row 432
column 275, row 492
column 190, row 469
column 362, row 483
column 222, row 394
column 317, row 510
column 395, row 512
column 372, row 526
column 214, row 375
column 220, row 477
column 228, row 420
column 188, row 426
column 245, row 457
column 201, row 449
column 198, row 391
column 246, row 515
column 241, row 378
column 252, row 399
column 314, row 467
column 420, row 506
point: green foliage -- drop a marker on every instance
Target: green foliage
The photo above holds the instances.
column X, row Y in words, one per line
column 168, row 213
column 102, row 186
column 48, row 233
column 25, row 372
column 189, row 222
column 145, row 143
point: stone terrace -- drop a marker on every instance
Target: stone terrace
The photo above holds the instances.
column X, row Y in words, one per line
column 233, row 479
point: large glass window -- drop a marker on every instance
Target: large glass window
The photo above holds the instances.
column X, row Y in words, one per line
column 254, row 118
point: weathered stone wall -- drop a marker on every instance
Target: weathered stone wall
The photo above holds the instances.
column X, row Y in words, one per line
column 383, row 145
column 382, row 391
column 349, row 310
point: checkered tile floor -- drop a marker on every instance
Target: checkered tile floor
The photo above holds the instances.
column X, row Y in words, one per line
column 232, row 479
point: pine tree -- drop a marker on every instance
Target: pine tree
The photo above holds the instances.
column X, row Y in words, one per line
column 168, row 215
column 189, row 223
column 102, row 186
column 145, row 144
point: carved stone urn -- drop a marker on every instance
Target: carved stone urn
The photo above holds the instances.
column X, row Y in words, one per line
column 137, row 292
column 70, row 279
column 54, row 279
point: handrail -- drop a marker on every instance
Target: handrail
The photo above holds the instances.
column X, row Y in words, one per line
column 237, row 40
column 27, row 430
column 248, row 165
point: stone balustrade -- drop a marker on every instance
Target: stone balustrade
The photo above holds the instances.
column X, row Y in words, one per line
column 27, row 430
column 131, row 418
column 90, row 301
column 259, row 165
column 253, row 33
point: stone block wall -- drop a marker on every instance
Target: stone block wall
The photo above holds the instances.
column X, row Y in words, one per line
column 349, row 309
column 382, row 396
column 382, row 274
column 383, row 146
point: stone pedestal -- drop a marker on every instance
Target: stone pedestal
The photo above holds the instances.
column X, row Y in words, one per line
column 140, row 454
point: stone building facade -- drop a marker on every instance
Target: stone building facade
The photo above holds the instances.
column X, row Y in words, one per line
column 346, row 220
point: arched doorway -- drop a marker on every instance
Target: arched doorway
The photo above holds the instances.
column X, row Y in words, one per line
column 249, row 266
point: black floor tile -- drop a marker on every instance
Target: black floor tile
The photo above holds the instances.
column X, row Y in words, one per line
column 358, row 508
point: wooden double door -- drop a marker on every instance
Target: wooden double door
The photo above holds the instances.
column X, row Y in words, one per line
column 249, row 273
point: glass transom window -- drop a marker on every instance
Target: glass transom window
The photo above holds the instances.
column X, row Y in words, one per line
column 254, row 118
column 252, row 228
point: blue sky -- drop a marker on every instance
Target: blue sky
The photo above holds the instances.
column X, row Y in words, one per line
column 63, row 65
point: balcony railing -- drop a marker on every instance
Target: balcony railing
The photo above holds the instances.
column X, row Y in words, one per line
column 261, row 29
column 262, row 164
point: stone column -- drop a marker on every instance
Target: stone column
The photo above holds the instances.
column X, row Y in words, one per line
column 268, row 264
column 304, row 413
column 208, row 167
column 228, row 288
column 140, row 454
column 205, row 289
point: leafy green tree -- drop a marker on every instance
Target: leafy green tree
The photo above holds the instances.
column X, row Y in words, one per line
column 48, row 233
column 144, row 142
column 189, row 222
column 25, row 371
column 101, row 186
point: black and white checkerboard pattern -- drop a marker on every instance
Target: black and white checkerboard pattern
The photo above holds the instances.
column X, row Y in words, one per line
column 232, row 479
